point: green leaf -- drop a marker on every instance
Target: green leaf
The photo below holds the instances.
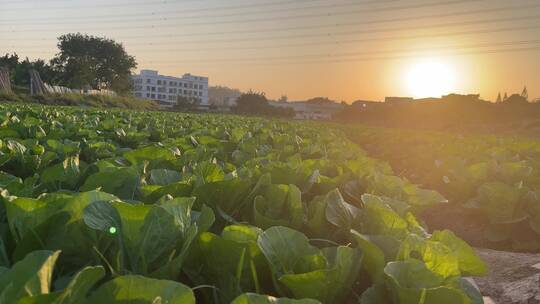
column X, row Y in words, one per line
column 330, row 285
column 80, row 285
column 284, row 248
column 339, row 212
column 373, row 259
column 251, row 298
column 469, row 262
column 140, row 290
column 28, row 277
column 148, row 154
column 102, row 216
column 438, row 258
column 164, row 177
column 380, row 219
column 122, row 182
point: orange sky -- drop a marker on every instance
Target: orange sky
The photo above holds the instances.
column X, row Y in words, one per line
column 343, row 49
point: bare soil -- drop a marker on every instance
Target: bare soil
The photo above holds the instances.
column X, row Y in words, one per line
column 512, row 277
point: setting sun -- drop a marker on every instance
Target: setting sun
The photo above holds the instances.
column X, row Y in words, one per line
column 430, row 78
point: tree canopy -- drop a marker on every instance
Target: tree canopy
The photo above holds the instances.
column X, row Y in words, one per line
column 94, row 62
column 254, row 103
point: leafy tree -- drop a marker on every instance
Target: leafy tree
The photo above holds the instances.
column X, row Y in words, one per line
column 254, row 103
column 516, row 99
column 283, row 98
column 184, row 103
column 89, row 61
column 19, row 70
column 9, row 61
column 219, row 94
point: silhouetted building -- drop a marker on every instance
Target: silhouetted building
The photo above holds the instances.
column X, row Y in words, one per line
column 461, row 98
column 311, row 110
column 398, row 100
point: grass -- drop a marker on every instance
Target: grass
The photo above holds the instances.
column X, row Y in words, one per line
column 98, row 101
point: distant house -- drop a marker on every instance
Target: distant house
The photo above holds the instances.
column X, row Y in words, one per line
column 310, row 110
column 398, row 100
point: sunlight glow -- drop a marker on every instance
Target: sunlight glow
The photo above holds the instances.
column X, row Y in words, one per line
column 431, row 78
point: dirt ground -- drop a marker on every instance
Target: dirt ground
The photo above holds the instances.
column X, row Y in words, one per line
column 512, row 277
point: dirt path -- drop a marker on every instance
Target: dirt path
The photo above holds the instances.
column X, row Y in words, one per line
column 512, row 277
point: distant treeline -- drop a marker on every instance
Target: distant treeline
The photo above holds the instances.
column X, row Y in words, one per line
column 452, row 113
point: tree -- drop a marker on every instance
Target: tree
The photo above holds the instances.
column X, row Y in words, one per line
column 220, row 94
column 252, row 103
column 516, row 99
column 92, row 62
column 19, row 70
column 184, row 103
column 499, row 99
column 525, row 93
column 9, row 61
column 283, row 98
column 505, row 96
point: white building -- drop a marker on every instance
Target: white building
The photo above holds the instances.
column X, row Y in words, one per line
column 166, row 89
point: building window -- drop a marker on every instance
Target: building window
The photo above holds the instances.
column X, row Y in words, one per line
column 159, row 82
column 153, row 96
column 185, row 85
column 147, row 95
column 148, row 80
column 153, row 89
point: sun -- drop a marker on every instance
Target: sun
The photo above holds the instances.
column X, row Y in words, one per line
column 430, row 78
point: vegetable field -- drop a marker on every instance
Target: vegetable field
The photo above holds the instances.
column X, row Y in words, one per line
column 108, row 206
column 496, row 180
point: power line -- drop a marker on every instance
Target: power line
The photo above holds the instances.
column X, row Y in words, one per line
column 275, row 18
column 351, row 41
column 338, row 42
column 355, row 54
column 375, row 58
column 110, row 5
column 191, row 10
column 183, row 16
column 361, row 22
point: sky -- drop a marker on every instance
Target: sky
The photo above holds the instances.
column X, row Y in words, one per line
column 346, row 50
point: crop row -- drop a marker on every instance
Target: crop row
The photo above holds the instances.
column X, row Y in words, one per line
column 116, row 206
column 497, row 179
